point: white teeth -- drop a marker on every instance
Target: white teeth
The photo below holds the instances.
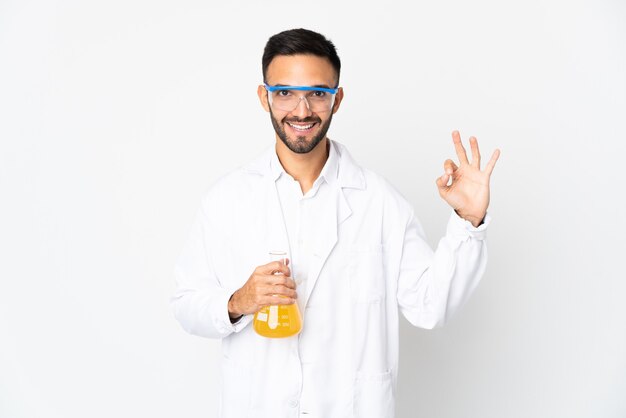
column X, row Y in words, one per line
column 301, row 127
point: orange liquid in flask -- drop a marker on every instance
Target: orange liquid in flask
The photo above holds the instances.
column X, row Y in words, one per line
column 278, row 321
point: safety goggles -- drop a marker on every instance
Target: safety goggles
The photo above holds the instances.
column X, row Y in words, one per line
column 287, row 98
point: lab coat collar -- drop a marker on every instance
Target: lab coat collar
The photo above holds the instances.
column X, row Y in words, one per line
column 328, row 173
column 340, row 168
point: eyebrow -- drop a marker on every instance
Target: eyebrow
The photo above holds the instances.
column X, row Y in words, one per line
column 325, row 86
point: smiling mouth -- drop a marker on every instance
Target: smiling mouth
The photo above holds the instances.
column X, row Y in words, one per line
column 302, row 127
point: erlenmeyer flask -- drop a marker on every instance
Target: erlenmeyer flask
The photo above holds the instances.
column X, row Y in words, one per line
column 278, row 321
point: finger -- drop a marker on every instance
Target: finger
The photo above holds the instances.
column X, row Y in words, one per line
column 475, row 152
column 278, row 300
column 442, row 183
column 275, row 267
column 449, row 167
column 285, row 291
column 280, row 280
column 460, row 150
column 492, row 162
column 270, row 290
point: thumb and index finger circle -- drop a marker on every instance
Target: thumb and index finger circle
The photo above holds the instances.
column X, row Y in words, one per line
column 442, row 182
column 449, row 166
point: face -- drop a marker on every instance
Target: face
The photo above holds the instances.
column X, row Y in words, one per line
column 300, row 130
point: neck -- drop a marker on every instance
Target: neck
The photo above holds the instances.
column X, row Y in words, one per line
column 305, row 168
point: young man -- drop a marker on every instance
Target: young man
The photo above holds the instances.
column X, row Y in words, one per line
column 355, row 247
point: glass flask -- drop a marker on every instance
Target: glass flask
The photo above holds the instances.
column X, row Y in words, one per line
column 278, row 321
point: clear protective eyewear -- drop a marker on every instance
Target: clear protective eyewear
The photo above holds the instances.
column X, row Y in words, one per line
column 317, row 99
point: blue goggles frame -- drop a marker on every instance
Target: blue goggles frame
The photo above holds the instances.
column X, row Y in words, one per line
column 301, row 88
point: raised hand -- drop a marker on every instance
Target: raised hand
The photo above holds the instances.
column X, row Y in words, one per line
column 468, row 192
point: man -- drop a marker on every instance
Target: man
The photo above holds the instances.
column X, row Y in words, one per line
column 355, row 248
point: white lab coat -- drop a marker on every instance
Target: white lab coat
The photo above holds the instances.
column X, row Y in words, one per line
column 371, row 263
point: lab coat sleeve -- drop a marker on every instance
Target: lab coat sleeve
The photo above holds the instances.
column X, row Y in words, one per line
column 434, row 285
column 200, row 302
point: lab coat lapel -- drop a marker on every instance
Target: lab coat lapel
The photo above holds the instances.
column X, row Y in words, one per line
column 336, row 212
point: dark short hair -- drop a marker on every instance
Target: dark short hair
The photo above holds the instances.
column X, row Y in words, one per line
column 300, row 41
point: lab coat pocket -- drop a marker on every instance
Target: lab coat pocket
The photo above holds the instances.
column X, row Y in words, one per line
column 366, row 273
column 373, row 395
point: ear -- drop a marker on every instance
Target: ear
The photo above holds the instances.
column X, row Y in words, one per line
column 338, row 99
column 262, row 93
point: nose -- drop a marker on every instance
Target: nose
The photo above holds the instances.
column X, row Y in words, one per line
column 302, row 110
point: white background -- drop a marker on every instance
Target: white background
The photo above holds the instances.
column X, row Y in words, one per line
column 116, row 116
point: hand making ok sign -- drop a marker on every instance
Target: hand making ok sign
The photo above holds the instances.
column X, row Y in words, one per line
column 468, row 193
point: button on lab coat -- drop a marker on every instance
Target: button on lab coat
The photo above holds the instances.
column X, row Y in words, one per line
column 369, row 262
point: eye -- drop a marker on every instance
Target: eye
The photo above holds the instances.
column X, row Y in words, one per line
column 319, row 93
column 283, row 93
